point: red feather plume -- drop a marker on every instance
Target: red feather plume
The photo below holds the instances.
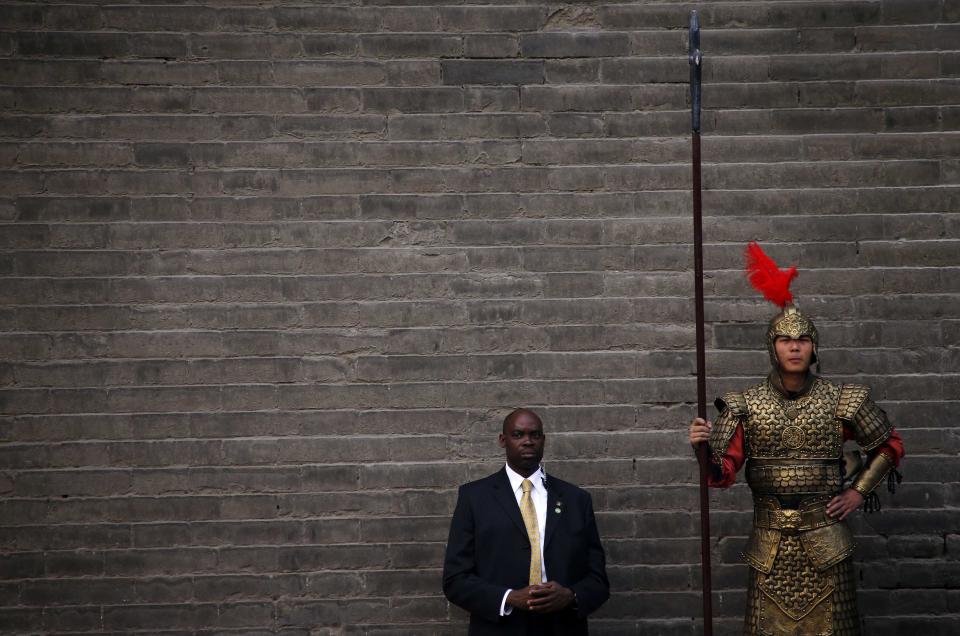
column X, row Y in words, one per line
column 767, row 278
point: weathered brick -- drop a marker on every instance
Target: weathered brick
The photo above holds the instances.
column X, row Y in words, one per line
column 413, row 73
column 24, row 16
column 143, row 616
column 21, row 72
column 410, row 45
column 69, row 44
column 494, row 18
column 575, row 71
column 72, row 618
column 735, row 41
column 330, row 73
column 245, row 19
column 334, row 45
column 326, row 19
column 244, row 45
column 328, row 126
column 412, row 100
column 24, row 565
column 491, row 99
column 409, row 18
column 247, row 587
column 80, row 563
column 582, row 44
column 391, row 582
column 491, row 45
column 151, row 18
column 138, row 72
column 898, row 11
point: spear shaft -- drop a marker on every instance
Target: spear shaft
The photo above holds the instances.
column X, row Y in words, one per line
column 696, row 63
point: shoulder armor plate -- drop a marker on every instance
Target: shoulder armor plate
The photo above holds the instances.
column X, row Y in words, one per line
column 852, row 397
column 871, row 425
column 732, row 408
column 733, row 401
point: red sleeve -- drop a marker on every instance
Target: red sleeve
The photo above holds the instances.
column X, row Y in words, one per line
column 725, row 474
column 892, row 447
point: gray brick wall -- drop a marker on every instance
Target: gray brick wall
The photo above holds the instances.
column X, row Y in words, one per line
column 273, row 272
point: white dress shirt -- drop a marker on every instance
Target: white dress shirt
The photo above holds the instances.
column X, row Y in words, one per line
column 539, row 495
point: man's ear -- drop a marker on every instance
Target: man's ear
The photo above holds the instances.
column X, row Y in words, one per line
column 502, row 440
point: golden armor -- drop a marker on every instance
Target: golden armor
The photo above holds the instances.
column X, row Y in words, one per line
column 801, row 578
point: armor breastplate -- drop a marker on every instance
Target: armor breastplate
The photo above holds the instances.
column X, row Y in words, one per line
column 793, row 446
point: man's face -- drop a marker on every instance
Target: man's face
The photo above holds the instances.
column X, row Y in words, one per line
column 523, row 440
column 794, row 354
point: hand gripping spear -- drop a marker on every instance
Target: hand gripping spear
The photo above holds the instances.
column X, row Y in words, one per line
column 696, row 63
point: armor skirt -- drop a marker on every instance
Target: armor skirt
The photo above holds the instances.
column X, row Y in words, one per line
column 795, row 599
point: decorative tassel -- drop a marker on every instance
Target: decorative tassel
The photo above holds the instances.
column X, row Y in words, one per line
column 872, row 503
column 767, row 278
column 893, row 480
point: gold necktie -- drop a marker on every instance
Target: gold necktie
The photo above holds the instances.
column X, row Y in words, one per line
column 529, row 514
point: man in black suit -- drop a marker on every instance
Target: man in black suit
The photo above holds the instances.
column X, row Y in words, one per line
column 512, row 530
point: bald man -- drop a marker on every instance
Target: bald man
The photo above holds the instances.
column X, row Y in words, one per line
column 524, row 554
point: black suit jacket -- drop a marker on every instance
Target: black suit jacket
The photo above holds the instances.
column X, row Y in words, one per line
column 488, row 552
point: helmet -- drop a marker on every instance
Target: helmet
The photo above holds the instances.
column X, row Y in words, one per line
column 774, row 284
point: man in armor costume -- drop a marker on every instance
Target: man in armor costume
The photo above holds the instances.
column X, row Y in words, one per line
column 790, row 430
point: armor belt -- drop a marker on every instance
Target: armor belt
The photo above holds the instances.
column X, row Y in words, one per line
column 767, row 513
column 825, row 541
column 790, row 476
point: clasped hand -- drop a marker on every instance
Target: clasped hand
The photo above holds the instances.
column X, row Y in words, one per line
column 542, row 599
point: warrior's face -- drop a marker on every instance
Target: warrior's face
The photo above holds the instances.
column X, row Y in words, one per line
column 794, row 355
column 790, row 324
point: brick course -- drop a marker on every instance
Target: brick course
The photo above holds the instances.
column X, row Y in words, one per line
column 273, row 273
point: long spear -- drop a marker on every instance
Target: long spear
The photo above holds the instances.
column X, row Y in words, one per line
column 696, row 63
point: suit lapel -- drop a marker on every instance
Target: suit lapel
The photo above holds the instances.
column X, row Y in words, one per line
column 503, row 494
column 553, row 517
